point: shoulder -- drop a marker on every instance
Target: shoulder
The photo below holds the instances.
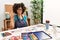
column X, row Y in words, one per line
column 24, row 16
column 15, row 15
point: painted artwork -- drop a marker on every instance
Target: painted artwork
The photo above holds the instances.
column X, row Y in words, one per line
column 35, row 35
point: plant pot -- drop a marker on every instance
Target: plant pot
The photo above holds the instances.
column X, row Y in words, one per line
column 36, row 21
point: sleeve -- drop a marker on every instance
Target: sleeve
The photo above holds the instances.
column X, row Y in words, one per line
column 15, row 18
column 25, row 18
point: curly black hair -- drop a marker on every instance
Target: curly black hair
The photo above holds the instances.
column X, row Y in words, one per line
column 18, row 5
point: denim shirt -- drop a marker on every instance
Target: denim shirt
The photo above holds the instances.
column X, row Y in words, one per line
column 19, row 25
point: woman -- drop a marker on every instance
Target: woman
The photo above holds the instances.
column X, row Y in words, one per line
column 19, row 20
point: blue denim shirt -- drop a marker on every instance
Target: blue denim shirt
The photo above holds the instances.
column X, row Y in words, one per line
column 17, row 24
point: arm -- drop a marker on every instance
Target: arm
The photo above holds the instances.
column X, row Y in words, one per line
column 27, row 22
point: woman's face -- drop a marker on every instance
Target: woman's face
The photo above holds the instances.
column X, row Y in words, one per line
column 19, row 11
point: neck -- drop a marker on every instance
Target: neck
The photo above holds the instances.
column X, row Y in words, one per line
column 19, row 14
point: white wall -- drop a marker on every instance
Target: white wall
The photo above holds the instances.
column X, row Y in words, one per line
column 52, row 11
column 2, row 10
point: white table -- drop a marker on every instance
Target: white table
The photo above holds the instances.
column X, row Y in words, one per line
column 39, row 27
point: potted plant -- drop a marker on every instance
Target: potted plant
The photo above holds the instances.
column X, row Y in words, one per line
column 36, row 10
